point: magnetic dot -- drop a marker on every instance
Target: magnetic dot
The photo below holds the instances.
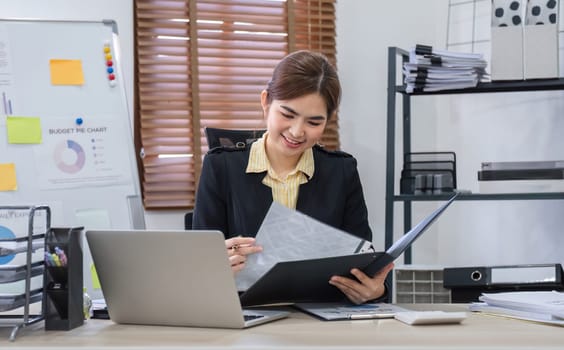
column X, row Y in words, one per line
column 108, row 57
column 106, row 49
column 110, row 70
column 109, row 63
column 514, row 5
column 499, row 12
column 112, row 83
column 552, row 18
column 111, row 76
column 516, row 20
column 551, row 4
column 536, row 10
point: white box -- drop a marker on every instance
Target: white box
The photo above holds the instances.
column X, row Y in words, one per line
column 540, row 49
column 507, row 53
column 415, row 284
column 521, row 186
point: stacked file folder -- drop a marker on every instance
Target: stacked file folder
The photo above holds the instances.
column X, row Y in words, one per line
column 534, row 170
column 544, row 307
column 521, row 177
column 435, row 70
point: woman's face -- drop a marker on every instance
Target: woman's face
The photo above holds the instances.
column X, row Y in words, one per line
column 294, row 125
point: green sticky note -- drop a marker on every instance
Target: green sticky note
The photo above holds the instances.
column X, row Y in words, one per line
column 94, row 276
column 23, row 129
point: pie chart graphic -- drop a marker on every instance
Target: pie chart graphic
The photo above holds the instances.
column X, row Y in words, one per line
column 69, row 156
column 6, row 233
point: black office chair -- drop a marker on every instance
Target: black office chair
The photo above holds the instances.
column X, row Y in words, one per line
column 225, row 138
column 188, row 220
column 231, row 138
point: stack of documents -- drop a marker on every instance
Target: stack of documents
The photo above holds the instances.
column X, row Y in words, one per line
column 544, row 307
column 435, row 70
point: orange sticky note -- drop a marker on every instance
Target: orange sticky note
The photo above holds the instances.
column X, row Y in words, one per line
column 66, row 72
column 8, row 180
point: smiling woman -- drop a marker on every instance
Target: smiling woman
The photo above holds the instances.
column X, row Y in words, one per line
column 287, row 166
column 184, row 85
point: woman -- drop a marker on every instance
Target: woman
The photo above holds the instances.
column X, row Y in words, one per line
column 238, row 185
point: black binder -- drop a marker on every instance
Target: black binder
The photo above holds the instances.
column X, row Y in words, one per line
column 308, row 280
column 468, row 283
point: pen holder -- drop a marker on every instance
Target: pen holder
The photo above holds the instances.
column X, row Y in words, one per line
column 63, row 279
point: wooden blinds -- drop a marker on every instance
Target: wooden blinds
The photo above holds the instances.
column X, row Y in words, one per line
column 204, row 63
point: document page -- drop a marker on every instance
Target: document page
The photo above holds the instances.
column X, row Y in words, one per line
column 547, row 302
column 288, row 235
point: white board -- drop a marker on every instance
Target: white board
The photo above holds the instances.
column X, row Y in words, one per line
column 65, row 134
column 84, row 165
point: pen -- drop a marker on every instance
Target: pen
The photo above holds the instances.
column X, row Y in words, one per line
column 48, row 259
column 370, row 316
column 62, row 257
column 56, row 260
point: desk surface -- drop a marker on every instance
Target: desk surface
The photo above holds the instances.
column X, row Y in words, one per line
column 301, row 331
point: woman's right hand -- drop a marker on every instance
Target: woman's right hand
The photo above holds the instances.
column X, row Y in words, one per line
column 238, row 248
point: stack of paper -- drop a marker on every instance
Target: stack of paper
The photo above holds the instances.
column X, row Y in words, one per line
column 435, row 70
column 542, row 306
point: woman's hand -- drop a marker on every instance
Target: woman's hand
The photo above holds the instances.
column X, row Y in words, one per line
column 364, row 288
column 238, row 248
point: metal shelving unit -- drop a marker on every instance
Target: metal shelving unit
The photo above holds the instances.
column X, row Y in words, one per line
column 397, row 56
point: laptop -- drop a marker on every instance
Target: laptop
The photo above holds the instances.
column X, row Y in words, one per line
column 173, row 278
column 304, row 281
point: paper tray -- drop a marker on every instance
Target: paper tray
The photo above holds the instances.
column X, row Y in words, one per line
column 13, row 301
column 16, row 273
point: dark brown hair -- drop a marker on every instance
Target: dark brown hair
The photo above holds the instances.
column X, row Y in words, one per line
column 304, row 72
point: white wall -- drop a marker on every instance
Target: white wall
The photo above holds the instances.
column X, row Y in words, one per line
column 365, row 30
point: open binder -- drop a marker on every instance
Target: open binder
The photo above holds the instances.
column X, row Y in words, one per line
column 308, row 280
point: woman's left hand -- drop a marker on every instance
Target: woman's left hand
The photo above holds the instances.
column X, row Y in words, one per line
column 363, row 288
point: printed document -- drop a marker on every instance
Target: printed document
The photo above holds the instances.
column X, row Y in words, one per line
column 538, row 306
column 288, row 235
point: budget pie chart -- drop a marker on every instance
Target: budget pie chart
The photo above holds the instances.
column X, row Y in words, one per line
column 69, row 156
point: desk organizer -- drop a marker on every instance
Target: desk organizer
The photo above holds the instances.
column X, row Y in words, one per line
column 63, row 279
column 426, row 173
column 22, row 238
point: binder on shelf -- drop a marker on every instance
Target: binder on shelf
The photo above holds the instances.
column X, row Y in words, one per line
column 522, row 165
column 521, row 174
column 468, row 283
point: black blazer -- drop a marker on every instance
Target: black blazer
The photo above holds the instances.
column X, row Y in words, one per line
column 234, row 202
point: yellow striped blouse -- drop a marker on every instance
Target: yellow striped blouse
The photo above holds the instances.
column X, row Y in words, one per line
column 284, row 191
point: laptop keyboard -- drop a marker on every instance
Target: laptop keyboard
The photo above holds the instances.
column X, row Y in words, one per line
column 252, row 317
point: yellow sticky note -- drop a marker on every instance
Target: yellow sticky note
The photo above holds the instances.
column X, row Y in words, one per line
column 23, row 129
column 66, row 72
column 94, row 276
column 8, row 180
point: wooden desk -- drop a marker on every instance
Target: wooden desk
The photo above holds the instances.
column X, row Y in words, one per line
column 301, row 331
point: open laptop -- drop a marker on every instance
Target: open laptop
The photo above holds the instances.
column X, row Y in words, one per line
column 174, row 278
column 305, row 281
